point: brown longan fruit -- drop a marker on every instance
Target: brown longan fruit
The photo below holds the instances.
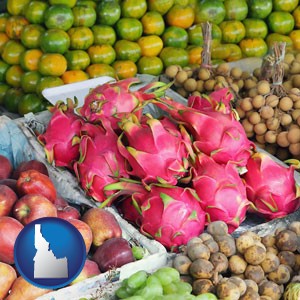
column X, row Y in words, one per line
column 258, row 101
column 266, row 112
column 249, row 83
column 245, row 75
column 260, row 128
column 285, row 103
column 272, row 123
column 295, row 113
column 260, row 138
column 236, row 72
column 271, row 136
column 294, row 94
column 182, row 92
column 263, row 87
column 298, row 120
column 287, row 85
column 190, row 84
column 254, row 117
column 257, row 72
column 282, row 140
column 295, row 67
column 294, row 149
column 296, row 80
column 294, row 135
column 246, row 104
column 200, row 86
column 248, row 127
column 286, row 119
column 209, row 85
column 223, row 68
column 181, row 77
column 240, row 112
column 272, row 100
column 296, row 104
column 203, row 74
column 289, row 57
column 252, row 92
column 172, row 70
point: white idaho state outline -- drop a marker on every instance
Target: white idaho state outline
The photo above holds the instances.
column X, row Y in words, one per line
column 46, row 265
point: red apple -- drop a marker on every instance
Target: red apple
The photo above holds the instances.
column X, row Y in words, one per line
column 6, row 167
column 33, row 206
column 90, row 269
column 12, row 183
column 113, row 253
column 22, row 289
column 9, row 230
column 7, row 276
column 103, row 223
column 34, row 182
column 85, row 231
column 60, row 202
column 7, row 199
column 30, row 165
column 68, row 212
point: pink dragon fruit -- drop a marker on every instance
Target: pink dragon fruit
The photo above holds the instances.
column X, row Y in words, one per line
column 171, row 215
column 271, row 186
column 116, row 100
column 62, row 136
column 100, row 162
column 221, row 191
column 217, row 134
column 155, row 150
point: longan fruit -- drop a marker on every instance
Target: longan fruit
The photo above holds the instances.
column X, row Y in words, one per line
column 294, row 94
column 235, row 87
column 272, row 123
column 200, row 86
column 282, row 140
column 266, row 112
column 257, row 72
column 249, row 83
column 294, row 149
column 271, row 136
column 236, row 72
column 196, row 93
column 296, row 104
column 240, row 112
column 263, row 87
column 181, row 77
column 223, row 68
column 296, row 80
column 260, row 128
column 245, row 75
column 294, row 135
column 295, row 67
column 182, row 92
column 260, row 138
column 204, row 74
column 190, row 85
column 258, row 101
column 254, row 117
column 286, row 119
column 246, row 104
column 172, row 70
column 289, row 57
column 285, row 103
column 287, row 85
column 252, row 92
column 248, row 127
column 272, row 100
column 189, row 71
column 298, row 120
column 209, row 85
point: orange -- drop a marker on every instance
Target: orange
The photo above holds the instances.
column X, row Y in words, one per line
column 174, row 56
column 133, row 8
column 220, row 51
column 14, row 26
column 84, row 15
column 81, row 38
column 30, row 36
column 153, row 23
column 277, row 37
column 102, row 54
column 16, row 7
column 253, row 47
column 3, row 68
column 295, row 36
column 58, row 16
column 129, row 29
column 151, row 45
column 97, row 70
column 181, row 16
column 3, row 39
column 55, row 41
column 48, row 82
column 125, row 69
column 151, row 65
column 104, row 34
column 77, row 59
column 34, row 11
column 13, row 75
column 161, row 6
column 52, row 64
column 108, row 12
column 175, row 36
column 29, row 59
column 29, row 103
column 235, row 52
column 12, row 98
column 74, row 76
column 69, row 3
column 3, row 89
column 233, row 31
column 3, row 20
column 127, row 50
column 194, row 53
column 11, row 52
column 29, row 81
column 296, row 15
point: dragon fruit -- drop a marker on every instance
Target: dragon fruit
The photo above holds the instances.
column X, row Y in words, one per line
column 155, row 149
column 62, row 136
column 100, row 162
column 217, row 134
column 116, row 100
column 271, row 186
column 221, row 191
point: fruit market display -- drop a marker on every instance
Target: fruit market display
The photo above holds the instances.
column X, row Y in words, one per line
column 50, row 43
column 26, row 194
column 216, row 265
column 112, row 147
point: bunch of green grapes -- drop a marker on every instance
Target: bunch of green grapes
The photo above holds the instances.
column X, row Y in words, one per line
column 163, row 284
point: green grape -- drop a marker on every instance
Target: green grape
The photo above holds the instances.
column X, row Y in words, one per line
column 184, row 288
column 152, row 280
column 173, row 297
column 150, row 291
column 121, row 293
column 138, row 252
column 170, row 288
column 137, row 279
column 206, row 296
column 166, row 275
column 135, row 298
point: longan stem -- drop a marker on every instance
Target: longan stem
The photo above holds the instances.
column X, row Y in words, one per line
column 206, row 52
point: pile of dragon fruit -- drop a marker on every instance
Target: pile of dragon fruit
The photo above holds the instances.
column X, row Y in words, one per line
column 169, row 175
